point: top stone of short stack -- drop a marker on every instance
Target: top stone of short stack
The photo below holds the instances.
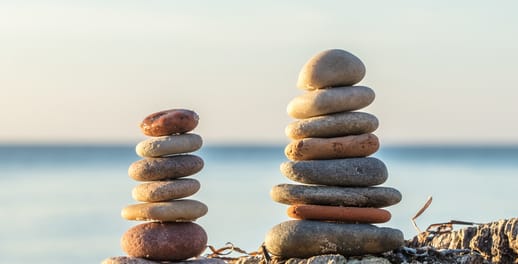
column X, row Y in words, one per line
column 169, row 122
column 331, row 68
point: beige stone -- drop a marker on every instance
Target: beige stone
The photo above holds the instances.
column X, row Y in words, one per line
column 331, row 68
column 332, row 148
column 165, row 190
column 333, row 125
column 328, row 101
column 169, row 145
column 177, row 210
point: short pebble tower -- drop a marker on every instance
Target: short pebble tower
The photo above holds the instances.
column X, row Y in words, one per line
column 169, row 233
column 337, row 203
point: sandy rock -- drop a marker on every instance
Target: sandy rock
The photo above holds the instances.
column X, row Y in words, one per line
column 177, row 210
column 329, row 101
column 336, row 196
column 164, row 241
column 165, row 190
column 303, row 238
column 338, row 213
column 331, row 68
column 353, row 172
column 169, row 145
column 333, row 125
column 332, row 148
column 169, row 122
column 173, row 167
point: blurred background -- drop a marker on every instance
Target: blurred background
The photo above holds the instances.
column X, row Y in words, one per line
column 77, row 77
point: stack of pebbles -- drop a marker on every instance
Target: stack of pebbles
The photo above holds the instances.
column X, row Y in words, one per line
column 169, row 234
column 336, row 204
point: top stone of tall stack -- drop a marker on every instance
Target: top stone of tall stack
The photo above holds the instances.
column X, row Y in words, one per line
column 169, row 122
column 331, row 68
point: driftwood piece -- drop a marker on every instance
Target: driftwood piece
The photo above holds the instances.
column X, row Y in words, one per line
column 496, row 242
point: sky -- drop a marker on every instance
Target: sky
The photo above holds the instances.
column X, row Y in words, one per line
column 444, row 72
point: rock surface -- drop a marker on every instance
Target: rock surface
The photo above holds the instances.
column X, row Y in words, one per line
column 328, row 101
column 330, row 68
column 169, row 145
column 336, row 196
column 333, row 125
column 156, row 169
column 496, row 241
column 160, row 191
column 132, row 260
column 177, row 210
column 168, row 122
column 303, row 238
column 352, row 172
column 332, row 148
column 164, row 241
column 338, row 213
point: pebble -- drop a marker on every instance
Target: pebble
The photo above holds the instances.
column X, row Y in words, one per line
column 132, row 260
column 328, row 101
column 164, row 241
column 331, row 68
column 160, row 191
column 169, row 122
column 338, row 213
column 173, row 167
column 334, row 125
column 177, row 210
column 304, row 238
column 169, row 145
column 332, row 148
column 351, row 172
column 336, row 196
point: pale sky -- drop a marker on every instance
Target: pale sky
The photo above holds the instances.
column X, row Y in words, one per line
column 90, row 71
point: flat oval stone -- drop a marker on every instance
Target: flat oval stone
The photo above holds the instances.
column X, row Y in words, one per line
column 169, row 122
column 336, row 196
column 333, row 125
column 328, row 101
column 331, row 68
column 351, row 172
column 133, row 260
column 164, row 241
column 338, row 213
column 173, row 167
column 169, row 145
column 172, row 211
column 160, row 191
column 304, row 238
column 332, row 148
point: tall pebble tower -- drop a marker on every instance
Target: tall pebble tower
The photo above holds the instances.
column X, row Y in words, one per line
column 169, row 233
column 336, row 203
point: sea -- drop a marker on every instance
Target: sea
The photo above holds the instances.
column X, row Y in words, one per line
column 61, row 204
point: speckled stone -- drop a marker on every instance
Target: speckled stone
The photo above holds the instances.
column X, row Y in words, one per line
column 328, row 101
column 332, row 148
column 338, row 213
column 177, row 210
column 333, row 125
column 351, row 172
column 304, row 238
column 335, row 196
column 173, row 167
column 169, row 145
column 169, row 122
column 330, row 68
column 160, row 191
column 164, row 241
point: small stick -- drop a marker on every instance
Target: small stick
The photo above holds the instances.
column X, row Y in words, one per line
column 421, row 211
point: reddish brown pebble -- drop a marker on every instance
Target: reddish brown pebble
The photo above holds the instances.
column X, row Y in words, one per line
column 332, row 148
column 164, row 241
column 338, row 213
column 169, row 122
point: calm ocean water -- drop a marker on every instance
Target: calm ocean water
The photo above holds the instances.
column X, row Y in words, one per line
column 62, row 204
